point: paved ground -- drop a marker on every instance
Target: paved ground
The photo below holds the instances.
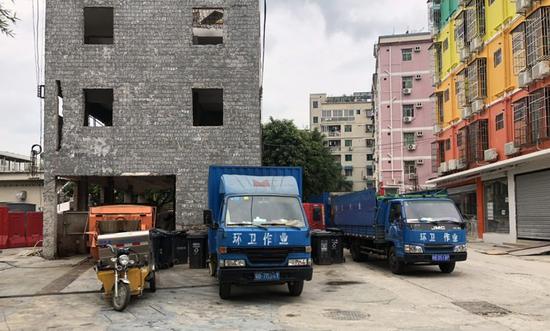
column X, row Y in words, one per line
column 488, row 292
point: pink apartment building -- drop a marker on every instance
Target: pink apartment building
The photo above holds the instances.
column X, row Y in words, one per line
column 404, row 110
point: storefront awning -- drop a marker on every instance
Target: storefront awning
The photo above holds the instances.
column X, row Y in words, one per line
column 500, row 165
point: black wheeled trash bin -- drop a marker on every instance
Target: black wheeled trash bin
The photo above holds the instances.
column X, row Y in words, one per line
column 198, row 250
column 162, row 248
column 336, row 247
column 179, row 247
column 320, row 244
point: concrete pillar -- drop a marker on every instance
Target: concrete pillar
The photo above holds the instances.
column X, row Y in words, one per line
column 109, row 192
column 49, row 249
column 512, row 206
column 480, row 195
column 82, row 194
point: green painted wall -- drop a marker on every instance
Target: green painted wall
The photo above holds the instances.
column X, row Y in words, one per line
column 448, row 7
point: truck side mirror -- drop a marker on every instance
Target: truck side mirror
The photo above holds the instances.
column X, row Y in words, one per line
column 207, row 217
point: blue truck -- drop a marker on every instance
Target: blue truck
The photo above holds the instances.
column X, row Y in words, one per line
column 258, row 233
column 417, row 228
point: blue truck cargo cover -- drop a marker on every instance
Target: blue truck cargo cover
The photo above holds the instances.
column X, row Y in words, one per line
column 216, row 172
column 355, row 209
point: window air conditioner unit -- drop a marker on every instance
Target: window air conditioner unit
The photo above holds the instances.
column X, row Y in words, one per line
column 460, row 164
column 437, row 128
column 411, row 147
column 523, row 6
column 451, row 164
column 477, row 106
column 417, row 49
column 407, row 91
column 476, row 44
column 510, row 149
column 418, row 105
column 418, row 76
column 540, row 70
column 524, row 78
column 443, row 167
column 490, row 155
column 407, row 119
column 466, row 112
column 464, row 54
column 350, row 149
column 412, row 176
column 420, row 134
column 419, row 162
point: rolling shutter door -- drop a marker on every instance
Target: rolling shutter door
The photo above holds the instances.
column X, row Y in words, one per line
column 533, row 205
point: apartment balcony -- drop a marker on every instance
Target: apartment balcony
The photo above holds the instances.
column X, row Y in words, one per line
column 337, row 119
column 335, row 149
column 334, row 134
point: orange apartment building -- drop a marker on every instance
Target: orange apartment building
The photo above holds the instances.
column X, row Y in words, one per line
column 492, row 101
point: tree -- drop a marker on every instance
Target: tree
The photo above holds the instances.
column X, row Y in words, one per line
column 286, row 145
column 7, row 18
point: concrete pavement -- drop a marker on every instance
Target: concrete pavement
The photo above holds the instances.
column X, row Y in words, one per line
column 488, row 292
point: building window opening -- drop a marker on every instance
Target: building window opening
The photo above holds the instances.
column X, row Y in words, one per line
column 98, row 109
column 407, row 82
column 410, row 167
column 207, row 107
column 408, row 110
column 208, row 26
column 406, row 54
column 499, row 121
column 98, row 25
column 315, row 119
column 59, row 115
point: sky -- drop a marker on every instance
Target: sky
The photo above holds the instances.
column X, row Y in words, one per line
column 312, row 46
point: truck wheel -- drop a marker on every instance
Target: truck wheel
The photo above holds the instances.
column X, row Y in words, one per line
column 447, row 268
column 356, row 254
column 295, row 288
column 396, row 266
column 225, row 290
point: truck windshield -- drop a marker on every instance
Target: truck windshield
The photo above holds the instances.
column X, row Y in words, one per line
column 264, row 211
column 431, row 211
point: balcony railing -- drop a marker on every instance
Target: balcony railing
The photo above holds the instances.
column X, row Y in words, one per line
column 337, row 119
column 334, row 134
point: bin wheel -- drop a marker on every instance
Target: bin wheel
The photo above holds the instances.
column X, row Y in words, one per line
column 447, row 268
column 295, row 288
column 152, row 282
column 121, row 301
column 225, row 291
column 213, row 266
column 396, row 266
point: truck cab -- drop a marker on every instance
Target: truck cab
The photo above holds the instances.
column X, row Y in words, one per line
column 423, row 231
column 258, row 232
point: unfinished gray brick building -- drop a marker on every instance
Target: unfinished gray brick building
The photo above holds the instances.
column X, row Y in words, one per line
column 145, row 95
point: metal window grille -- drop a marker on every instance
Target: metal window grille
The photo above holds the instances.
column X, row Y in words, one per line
column 518, row 48
column 408, row 110
column 461, row 144
column 475, row 19
column 408, row 138
column 477, row 79
column 537, row 34
column 478, row 140
column 436, row 161
column 461, row 89
column 460, row 30
column 440, row 115
column 539, row 119
column 520, row 122
column 437, row 64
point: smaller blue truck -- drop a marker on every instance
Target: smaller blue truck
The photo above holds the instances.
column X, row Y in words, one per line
column 258, row 232
column 416, row 228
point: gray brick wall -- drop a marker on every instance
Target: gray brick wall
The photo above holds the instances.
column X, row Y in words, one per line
column 152, row 67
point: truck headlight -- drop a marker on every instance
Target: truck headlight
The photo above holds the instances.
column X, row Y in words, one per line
column 299, row 262
column 413, row 249
column 460, row 248
column 232, row 263
column 123, row 259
